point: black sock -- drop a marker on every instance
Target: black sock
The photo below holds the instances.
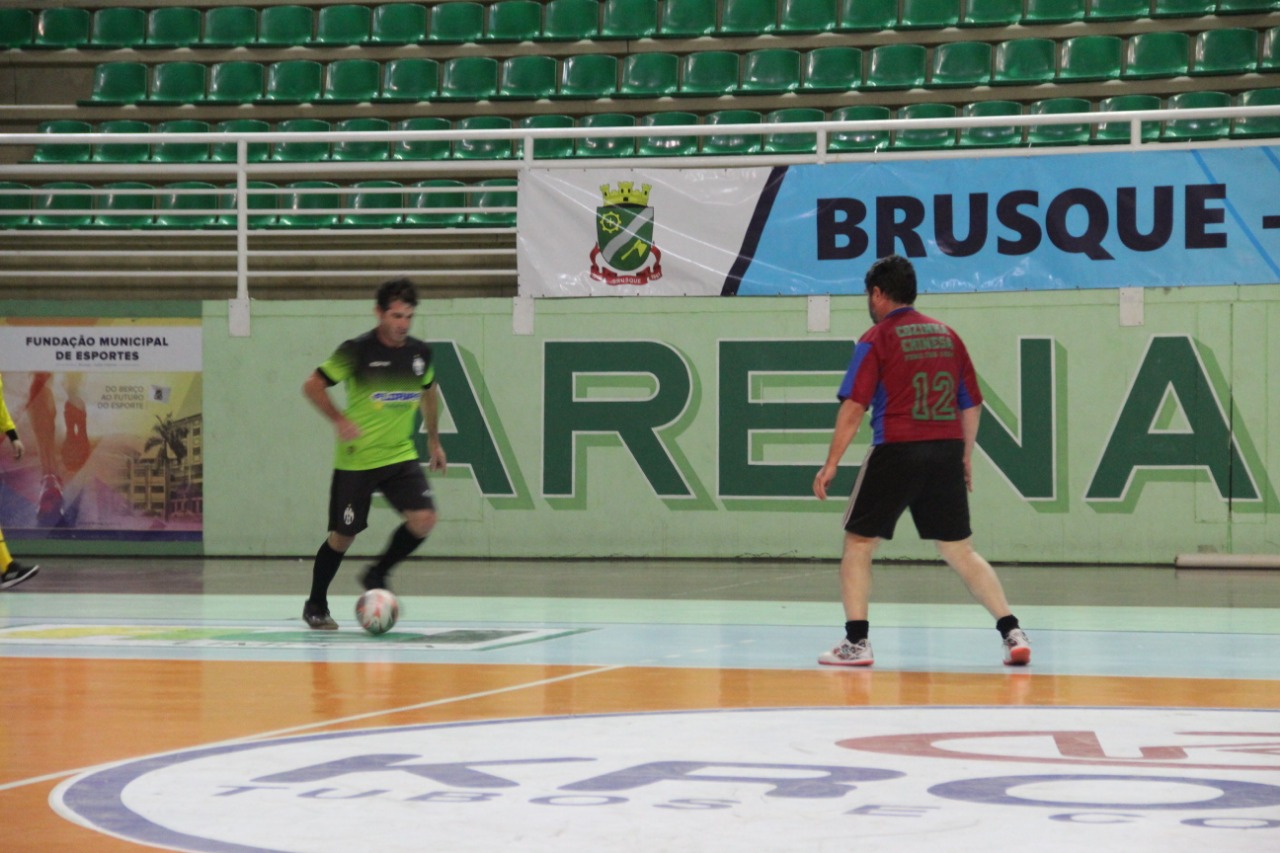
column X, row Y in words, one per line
column 1005, row 624
column 323, row 573
column 402, row 544
column 856, row 630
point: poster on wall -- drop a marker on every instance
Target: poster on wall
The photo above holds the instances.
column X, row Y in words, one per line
column 110, row 412
column 1147, row 218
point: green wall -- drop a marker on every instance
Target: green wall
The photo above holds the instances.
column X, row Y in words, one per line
column 690, row 427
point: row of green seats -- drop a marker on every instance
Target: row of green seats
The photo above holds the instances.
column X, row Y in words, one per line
column 662, row 143
column 708, row 73
column 435, row 203
column 561, row 20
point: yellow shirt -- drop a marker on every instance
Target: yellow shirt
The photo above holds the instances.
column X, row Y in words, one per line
column 6, row 422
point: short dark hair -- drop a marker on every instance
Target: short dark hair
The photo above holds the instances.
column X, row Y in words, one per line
column 397, row 290
column 896, row 278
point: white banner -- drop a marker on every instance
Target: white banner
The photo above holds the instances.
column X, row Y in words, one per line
column 624, row 232
column 132, row 348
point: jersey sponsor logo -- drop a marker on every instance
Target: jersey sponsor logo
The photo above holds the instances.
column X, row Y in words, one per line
column 379, row 364
column 394, row 396
column 930, row 778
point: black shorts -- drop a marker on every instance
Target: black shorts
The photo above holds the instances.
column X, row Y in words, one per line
column 926, row 477
column 351, row 493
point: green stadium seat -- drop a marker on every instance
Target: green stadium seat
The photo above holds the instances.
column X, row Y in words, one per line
column 227, row 27
column 258, row 197
column 297, row 208
column 896, row 66
column 434, row 149
column 770, row 71
column 867, row 15
column 747, row 17
column 455, row 23
column 468, row 78
column 1156, row 54
column 649, row 75
column 1118, row 132
column 1246, row 7
column 56, row 207
column 1058, row 134
column 1196, row 129
column 960, row 63
column 1250, row 128
column 1269, row 57
column 629, row 19
column 298, row 151
column 122, row 152
column 60, row 27
column 225, row 152
column 606, row 146
column 1182, row 8
column 1001, row 136
column 172, row 27
column 188, row 205
column 806, row 16
column 292, row 81
column 435, row 203
column 17, row 28
column 837, row 68
column 1090, row 58
column 342, row 25
column 732, row 143
column 1053, row 11
column 570, row 20
column 181, row 152
column 792, row 142
column 990, row 13
column 513, row 21
column 117, row 84
column 350, row 81
column 916, row 138
column 129, row 204
column 378, row 197
column 553, row 148
column 708, row 73
column 117, row 27
column 588, row 75
column 497, row 193
column 667, row 146
column 361, row 151
column 1227, row 51
column 928, row 14
column 284, row 26
column 72, row 153
column 237, row 81
column 394, row 24
column 1023, row 62
column 409, row 79
column 481, row 148
column 527, row 77
column 176, row 83
column 15, row 208
column 1117, row 10
column 687, row 19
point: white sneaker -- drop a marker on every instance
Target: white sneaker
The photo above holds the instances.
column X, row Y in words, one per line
column 849, row 654
column 1017, row 648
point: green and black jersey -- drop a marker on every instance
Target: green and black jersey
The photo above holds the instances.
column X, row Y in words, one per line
column 384, row 389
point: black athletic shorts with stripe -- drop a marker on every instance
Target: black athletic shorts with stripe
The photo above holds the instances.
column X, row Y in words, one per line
column 351, row 493
column 926, row 477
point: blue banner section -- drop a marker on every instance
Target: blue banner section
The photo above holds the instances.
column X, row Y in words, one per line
column 1155, row 218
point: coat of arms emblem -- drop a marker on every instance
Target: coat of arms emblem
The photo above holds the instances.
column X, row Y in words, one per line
column 624, row 252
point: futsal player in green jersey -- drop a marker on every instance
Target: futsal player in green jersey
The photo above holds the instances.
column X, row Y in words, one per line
column 388, row 375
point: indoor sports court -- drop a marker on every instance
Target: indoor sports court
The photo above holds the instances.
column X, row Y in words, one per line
column 635, row 705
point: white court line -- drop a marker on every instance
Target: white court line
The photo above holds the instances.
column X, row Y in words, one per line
column 49, row 777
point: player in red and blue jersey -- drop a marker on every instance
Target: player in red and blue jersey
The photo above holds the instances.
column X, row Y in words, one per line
column 914, row 374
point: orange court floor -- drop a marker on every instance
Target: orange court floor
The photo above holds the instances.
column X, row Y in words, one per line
column 635, row 705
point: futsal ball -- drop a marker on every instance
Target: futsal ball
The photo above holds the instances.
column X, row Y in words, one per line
column 377, row 610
